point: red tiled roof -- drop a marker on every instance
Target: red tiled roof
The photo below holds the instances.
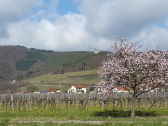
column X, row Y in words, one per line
column 79, row 86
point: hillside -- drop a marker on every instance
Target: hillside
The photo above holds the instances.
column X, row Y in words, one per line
column 18, row 63
column 64, row 81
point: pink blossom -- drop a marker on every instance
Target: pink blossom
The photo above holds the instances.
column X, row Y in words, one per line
column 138, row 71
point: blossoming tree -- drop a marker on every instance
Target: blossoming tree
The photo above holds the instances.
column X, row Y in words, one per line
column 137, row 71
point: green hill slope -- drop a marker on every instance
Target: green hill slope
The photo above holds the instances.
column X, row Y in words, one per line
column 64, row 81
column 50, row 59
column 20, row 63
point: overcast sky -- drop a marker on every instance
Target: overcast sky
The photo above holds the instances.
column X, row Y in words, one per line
column 66, row 25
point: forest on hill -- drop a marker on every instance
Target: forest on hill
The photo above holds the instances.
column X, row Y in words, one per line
column 18, row 63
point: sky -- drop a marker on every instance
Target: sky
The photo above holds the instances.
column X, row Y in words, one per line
column 74, row 25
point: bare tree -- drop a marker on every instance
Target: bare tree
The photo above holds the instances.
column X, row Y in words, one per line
column 137, row 71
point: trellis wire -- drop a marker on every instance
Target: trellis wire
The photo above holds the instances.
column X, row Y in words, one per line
column 83, row 100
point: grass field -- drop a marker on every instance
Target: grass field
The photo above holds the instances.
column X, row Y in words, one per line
column 73, row 112
column 64, row 81
column 134, row 123
column 145, row 117
column 48, row 118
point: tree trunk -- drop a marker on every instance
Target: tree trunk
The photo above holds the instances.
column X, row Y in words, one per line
column 133, row 107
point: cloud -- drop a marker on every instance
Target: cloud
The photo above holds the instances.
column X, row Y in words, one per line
column 35, row 23
column 11, row 10
column 154, row 37
column 111, row 18
column 15, row 10
column 67, row 33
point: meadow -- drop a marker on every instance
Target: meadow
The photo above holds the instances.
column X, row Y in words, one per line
column 61, row 117
column 64, row 81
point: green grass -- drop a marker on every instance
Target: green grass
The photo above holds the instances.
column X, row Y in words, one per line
column 64, row 81
column 58, row 77
column 154, row 117
column 125, row 122
column 73, row 112
column 155, row 123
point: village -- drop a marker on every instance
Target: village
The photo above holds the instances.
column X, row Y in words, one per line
column 84, row 89
column 72, row 89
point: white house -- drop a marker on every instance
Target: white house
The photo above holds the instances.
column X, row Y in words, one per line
column 77, row 89
column 36, row 92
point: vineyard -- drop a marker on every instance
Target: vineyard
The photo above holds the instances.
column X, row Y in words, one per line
column 117, row 101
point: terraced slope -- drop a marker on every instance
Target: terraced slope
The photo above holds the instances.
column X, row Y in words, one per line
column 64, row 81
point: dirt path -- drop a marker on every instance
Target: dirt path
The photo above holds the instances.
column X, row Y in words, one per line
column 63, row 121
column 86, row 122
